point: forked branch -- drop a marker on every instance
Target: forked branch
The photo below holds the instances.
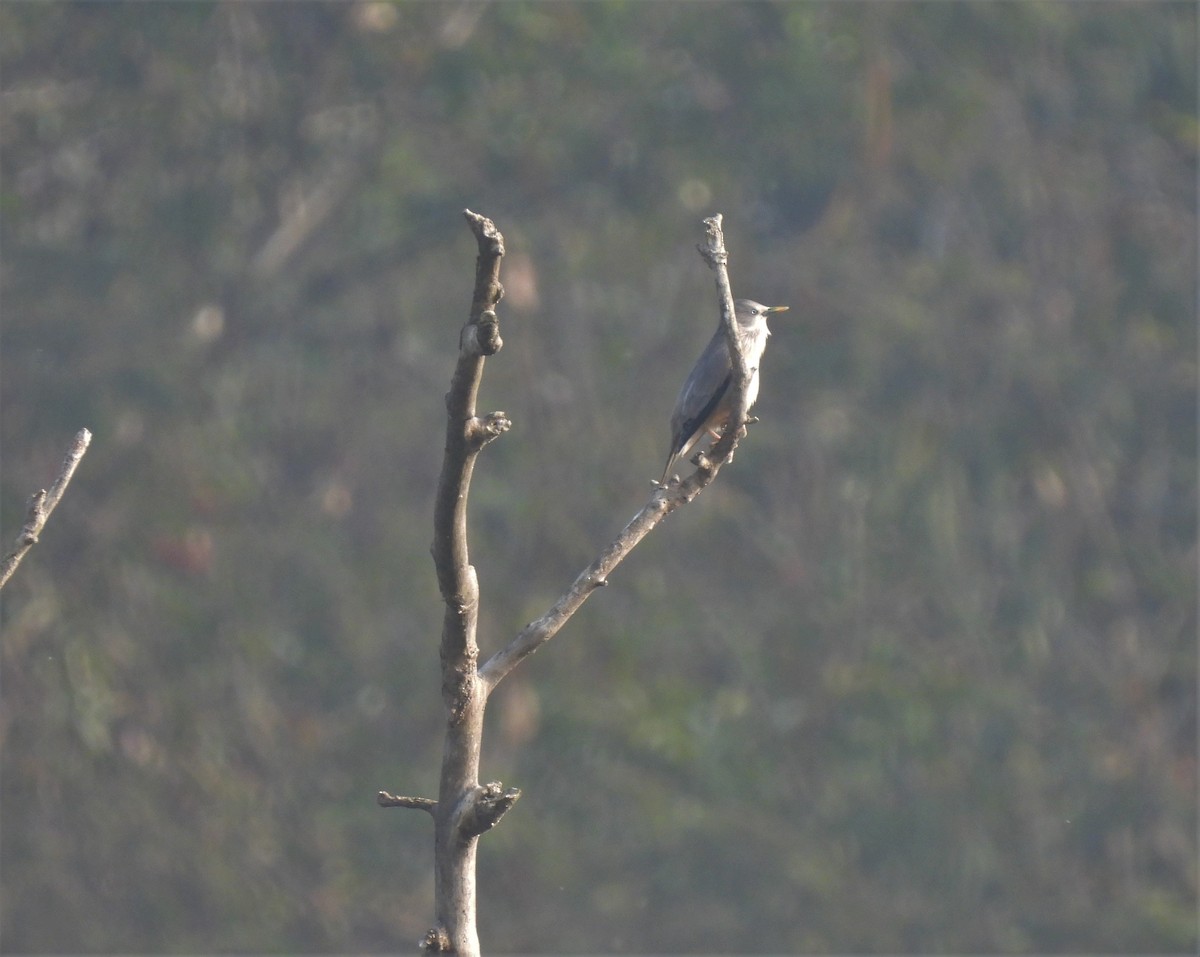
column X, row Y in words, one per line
column 465, row 809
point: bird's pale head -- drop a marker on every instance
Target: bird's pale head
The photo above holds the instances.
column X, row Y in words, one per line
column 750, row 313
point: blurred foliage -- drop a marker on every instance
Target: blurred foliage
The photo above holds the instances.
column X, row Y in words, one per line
column 917, row 675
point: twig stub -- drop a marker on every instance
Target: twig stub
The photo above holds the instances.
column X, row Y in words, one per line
column 713, row 249
column 486, row 232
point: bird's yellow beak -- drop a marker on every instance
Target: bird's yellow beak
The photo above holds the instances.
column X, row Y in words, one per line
column 777, row 308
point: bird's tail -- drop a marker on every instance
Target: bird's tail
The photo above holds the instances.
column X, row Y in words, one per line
column 667, row 471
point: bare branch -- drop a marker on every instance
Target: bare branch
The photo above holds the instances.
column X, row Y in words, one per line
column 466, row 434
column 456, row 837
column 541, row 630
column 41, row 504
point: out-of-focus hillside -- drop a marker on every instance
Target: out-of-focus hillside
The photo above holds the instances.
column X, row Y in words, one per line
column 917, row 674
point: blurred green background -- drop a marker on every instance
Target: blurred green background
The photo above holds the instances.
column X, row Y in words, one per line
column 917, row 674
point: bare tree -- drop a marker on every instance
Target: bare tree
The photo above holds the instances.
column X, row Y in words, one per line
column 41, row 504
column 465, row 809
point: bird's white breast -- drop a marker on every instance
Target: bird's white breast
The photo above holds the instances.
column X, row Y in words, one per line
column 753, row 343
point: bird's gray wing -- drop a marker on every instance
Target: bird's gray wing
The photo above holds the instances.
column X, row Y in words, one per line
column 703, row 390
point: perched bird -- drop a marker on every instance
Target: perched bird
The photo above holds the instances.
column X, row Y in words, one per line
column 703, row 406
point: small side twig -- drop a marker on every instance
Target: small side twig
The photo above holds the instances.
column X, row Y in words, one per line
column 41, row 504
column 384, row 799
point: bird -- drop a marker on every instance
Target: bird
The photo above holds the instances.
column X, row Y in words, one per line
column 704, row 403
